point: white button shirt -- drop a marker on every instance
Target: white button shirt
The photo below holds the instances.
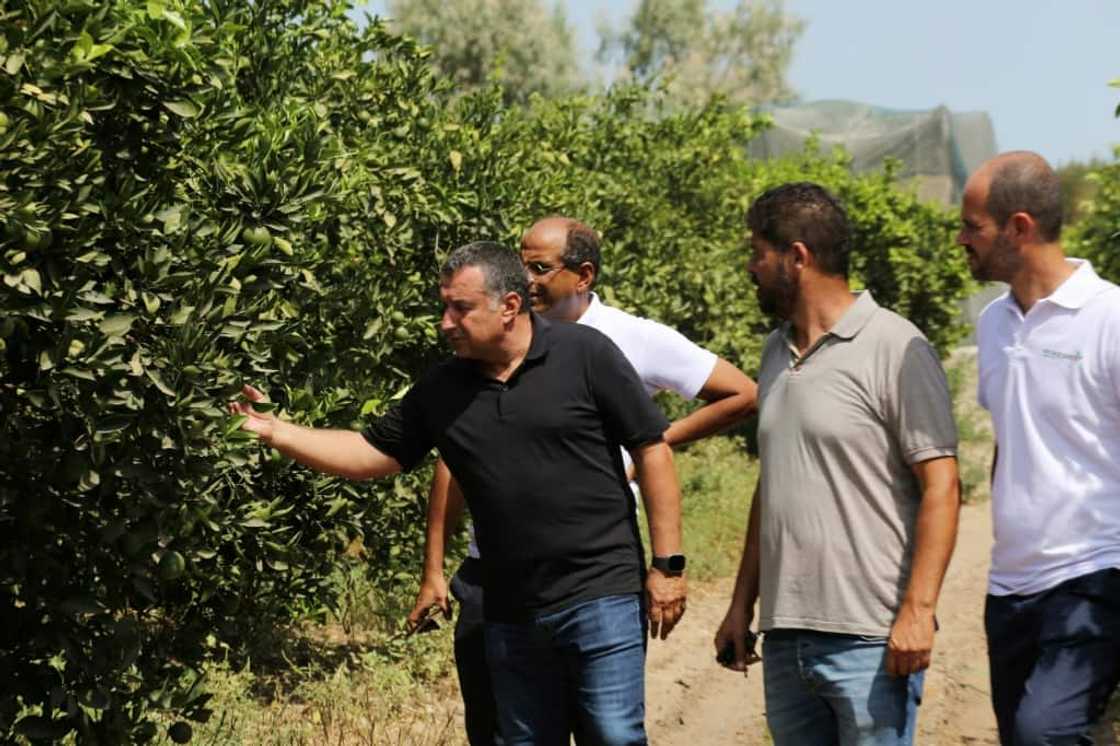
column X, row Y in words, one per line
column 1051, row 380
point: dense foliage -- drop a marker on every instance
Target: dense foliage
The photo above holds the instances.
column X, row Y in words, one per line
column 199, row 193
column 1096, row 234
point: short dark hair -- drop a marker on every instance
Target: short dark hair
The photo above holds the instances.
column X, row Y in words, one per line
column 1029, row 185
column 805, row 212
column 581, row 245
column 501, row 269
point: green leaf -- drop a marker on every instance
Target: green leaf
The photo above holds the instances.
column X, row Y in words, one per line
column 85, row 375
column 155, row 9
column 31, row 279
column 13, row 63
column 284, row 245
column 175, row 19
column 182, row 316
column 117, row 325
column 159, row 382
column 183, row 108
column 84, row 314
column 235, row 423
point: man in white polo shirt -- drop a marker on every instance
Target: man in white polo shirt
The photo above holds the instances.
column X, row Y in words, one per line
column 562, row 259
column 1049, row 360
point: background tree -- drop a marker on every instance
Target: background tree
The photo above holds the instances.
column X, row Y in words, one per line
column 1096, row 236
column 525, row 45
column 1078, row 188
column 695, row 51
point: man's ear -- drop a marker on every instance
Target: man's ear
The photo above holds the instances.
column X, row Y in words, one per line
column 586, row 272
column 1022, row 228
column 801, row 255
column 511, row 306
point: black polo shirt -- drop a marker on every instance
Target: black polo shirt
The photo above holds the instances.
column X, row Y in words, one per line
column 539, row 463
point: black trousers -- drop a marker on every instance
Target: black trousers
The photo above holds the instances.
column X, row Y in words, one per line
column 470, row 658
column 1055, row 659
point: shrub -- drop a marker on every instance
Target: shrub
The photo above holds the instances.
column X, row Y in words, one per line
column 1096, row 236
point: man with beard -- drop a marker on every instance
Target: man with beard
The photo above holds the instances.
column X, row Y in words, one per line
column 1049, row 360
column 562, row 259
column 530, row 417
column 855, row 513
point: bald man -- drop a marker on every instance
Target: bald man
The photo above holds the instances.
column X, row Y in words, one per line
column 562, row 259
column 1049, row 360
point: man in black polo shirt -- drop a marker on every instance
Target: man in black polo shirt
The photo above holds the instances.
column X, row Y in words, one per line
column 529, row 415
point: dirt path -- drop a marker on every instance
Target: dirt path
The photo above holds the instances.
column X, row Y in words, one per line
column 691, row 701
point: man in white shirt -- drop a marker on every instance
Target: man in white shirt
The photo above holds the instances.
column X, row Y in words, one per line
column 562, row 259
column 1049, row 362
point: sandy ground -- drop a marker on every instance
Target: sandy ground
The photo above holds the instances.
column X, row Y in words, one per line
column 691, row 701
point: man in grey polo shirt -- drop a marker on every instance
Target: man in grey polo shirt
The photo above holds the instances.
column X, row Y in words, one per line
column 855, row 513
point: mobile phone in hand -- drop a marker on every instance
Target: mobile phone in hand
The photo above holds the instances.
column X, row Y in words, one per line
column 429, row 622
column 726, row 655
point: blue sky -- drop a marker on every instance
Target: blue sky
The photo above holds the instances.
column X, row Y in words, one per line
column 1040, row 68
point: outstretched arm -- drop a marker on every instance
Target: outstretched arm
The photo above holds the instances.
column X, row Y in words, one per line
column 344, row 453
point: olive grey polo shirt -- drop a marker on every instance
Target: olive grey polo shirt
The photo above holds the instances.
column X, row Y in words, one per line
column 839, row 429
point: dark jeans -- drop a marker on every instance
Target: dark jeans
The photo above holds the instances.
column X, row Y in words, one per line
column 470, row 658
column 1055, row 659
column 581, row 668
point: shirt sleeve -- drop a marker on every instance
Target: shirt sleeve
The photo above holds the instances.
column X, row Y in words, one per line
column 676, row 363
column 921, row 409
column 401, row 432
column 629, row 414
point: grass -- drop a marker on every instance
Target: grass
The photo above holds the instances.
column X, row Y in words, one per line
column 717, row 480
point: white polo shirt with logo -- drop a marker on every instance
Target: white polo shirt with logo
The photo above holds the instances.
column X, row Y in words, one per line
column 664, row 358
column 1051, row 380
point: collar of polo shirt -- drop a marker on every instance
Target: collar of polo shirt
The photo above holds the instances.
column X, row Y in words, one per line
column 849, row 325
column 1077, row 289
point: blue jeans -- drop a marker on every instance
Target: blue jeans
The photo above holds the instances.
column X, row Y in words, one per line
column 586, row 663
column 834, row 690
column 1054, row 659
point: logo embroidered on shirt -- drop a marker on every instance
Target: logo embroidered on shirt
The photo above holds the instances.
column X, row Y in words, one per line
column 1073, row 357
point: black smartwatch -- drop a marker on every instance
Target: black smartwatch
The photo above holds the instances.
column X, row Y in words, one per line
column 671, row 565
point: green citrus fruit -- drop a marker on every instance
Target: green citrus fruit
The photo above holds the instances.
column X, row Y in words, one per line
column 171, row 567
column 398, row 317
column 258, row 236
column 401, row 333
